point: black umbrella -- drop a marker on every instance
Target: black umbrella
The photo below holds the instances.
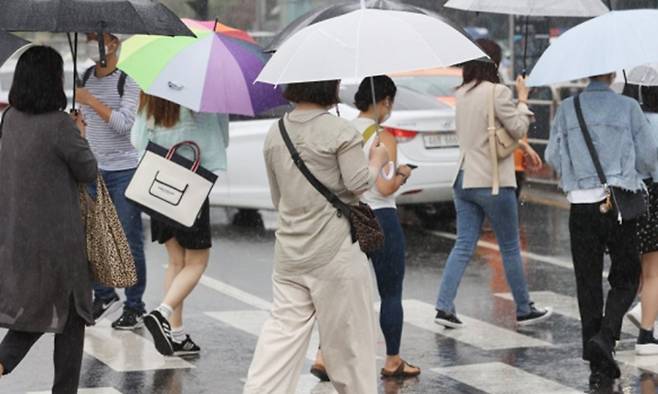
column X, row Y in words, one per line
column 335, row 10
column 90, row 16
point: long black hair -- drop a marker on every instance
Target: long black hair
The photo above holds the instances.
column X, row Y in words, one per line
column 38, row 85
column 384, row 88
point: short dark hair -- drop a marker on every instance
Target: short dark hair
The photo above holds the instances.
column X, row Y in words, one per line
column 384, row 88
column 324, row 93
column 649, row 101
column 483, row 69
column 38, row 85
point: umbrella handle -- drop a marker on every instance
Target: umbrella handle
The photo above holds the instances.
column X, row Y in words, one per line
column 101, row 45
column 525, row 49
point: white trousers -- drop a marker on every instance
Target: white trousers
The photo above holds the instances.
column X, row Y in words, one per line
column 340, row 296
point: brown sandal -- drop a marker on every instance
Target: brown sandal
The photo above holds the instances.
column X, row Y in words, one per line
column 320, row 372
column 400, row 372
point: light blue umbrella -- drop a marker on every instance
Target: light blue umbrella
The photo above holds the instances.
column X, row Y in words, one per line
column 614, row 41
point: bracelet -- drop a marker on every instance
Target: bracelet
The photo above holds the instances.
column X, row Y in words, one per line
column 523, row 101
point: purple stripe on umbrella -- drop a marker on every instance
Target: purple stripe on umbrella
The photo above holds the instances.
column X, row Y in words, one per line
column 225, row 89
column 231, row 89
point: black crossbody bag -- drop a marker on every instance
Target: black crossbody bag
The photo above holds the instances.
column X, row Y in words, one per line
column 626, row 204
column 364, row 226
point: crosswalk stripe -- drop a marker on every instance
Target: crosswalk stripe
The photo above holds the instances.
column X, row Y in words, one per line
column 236, row 293
column 500, row 378
column 648, row 363
column 563, row 305
column 125, row 351
column 252, row 322
column 492, row 246
column 475, row 332
column 98, row 390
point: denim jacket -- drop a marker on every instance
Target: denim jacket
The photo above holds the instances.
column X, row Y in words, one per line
column 621, row 134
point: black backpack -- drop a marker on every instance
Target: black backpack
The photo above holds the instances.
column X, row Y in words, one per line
column 120, row 84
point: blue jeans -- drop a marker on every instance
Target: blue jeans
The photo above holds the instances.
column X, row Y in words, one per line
column 472, row 205
column 389, row 270
column 131, row 221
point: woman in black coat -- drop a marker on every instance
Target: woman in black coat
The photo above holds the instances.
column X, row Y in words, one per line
column 45, row 282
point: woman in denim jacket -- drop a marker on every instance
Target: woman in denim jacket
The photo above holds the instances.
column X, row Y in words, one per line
column 627, row 151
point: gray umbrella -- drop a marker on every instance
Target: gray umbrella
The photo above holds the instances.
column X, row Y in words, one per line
column 87, row 16
column 84, row 16
column 9, row 44
column 335, row 10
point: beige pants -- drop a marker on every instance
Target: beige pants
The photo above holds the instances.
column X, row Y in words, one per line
column 339, row 296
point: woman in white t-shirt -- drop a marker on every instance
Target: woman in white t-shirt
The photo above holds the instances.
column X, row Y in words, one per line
column 389, row 263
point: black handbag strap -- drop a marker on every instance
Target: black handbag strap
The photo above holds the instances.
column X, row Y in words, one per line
column 588, row 141
column 297, row 159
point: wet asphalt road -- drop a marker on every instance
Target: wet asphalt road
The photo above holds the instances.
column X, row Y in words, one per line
column 490, row 355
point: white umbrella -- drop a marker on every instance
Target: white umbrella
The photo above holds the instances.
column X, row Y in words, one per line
column 367, row 42
column 645, row 75
column 573, row 8
column 614, row 41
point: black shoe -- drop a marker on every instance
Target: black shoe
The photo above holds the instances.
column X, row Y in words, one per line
column 129, row 320
column 186, row 348
column 160, row 329
column 535, row 316
column 647, row 344
column 600, row 383
column 448, row 320
column 102, row 308
column 320, row 372
column 599, row 352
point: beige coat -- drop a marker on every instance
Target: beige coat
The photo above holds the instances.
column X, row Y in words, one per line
column 471, row 121
column 310, row 233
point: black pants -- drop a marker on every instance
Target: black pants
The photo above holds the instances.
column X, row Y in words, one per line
column 68, row 352
column 592, row 234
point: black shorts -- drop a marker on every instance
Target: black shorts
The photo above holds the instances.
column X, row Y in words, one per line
column 647, row 226
column 198, row 237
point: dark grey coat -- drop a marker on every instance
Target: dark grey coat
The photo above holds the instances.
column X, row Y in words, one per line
column 43, row 263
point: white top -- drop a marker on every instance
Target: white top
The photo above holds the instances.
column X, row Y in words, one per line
column 372, row 197
column 586, row 196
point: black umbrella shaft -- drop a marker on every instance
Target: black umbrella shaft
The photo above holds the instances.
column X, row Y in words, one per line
column 525, row 49
column 75, row 65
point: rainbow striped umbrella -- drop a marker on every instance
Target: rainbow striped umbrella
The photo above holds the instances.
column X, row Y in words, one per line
column 214, row 72
column 219, row 28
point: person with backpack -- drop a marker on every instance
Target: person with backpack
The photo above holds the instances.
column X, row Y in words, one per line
column 108, row 100
column 601, row 147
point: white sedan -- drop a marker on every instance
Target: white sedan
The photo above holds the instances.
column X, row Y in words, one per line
column 423, row 127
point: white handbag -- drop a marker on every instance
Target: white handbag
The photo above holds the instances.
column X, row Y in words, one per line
column 169, row 187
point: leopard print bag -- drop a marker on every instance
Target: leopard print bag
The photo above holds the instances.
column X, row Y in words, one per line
column 108, row 251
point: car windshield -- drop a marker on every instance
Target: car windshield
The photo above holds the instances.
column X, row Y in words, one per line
column 433, row 85
column 405, row 99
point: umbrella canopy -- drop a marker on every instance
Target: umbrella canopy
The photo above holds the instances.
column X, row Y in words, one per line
column 614, row 41
column 332, row 11
column 115, row 16
column 645, row 75
column 9, row 44
column 368, row 42
column 219, row 28
column 575, row 8
column 211, row 73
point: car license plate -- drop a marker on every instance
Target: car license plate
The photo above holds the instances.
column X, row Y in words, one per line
column 440, row 140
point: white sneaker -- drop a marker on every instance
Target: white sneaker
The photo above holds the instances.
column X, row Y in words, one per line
column 635, row 315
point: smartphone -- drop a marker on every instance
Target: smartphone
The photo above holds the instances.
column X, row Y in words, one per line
column 412, row 166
